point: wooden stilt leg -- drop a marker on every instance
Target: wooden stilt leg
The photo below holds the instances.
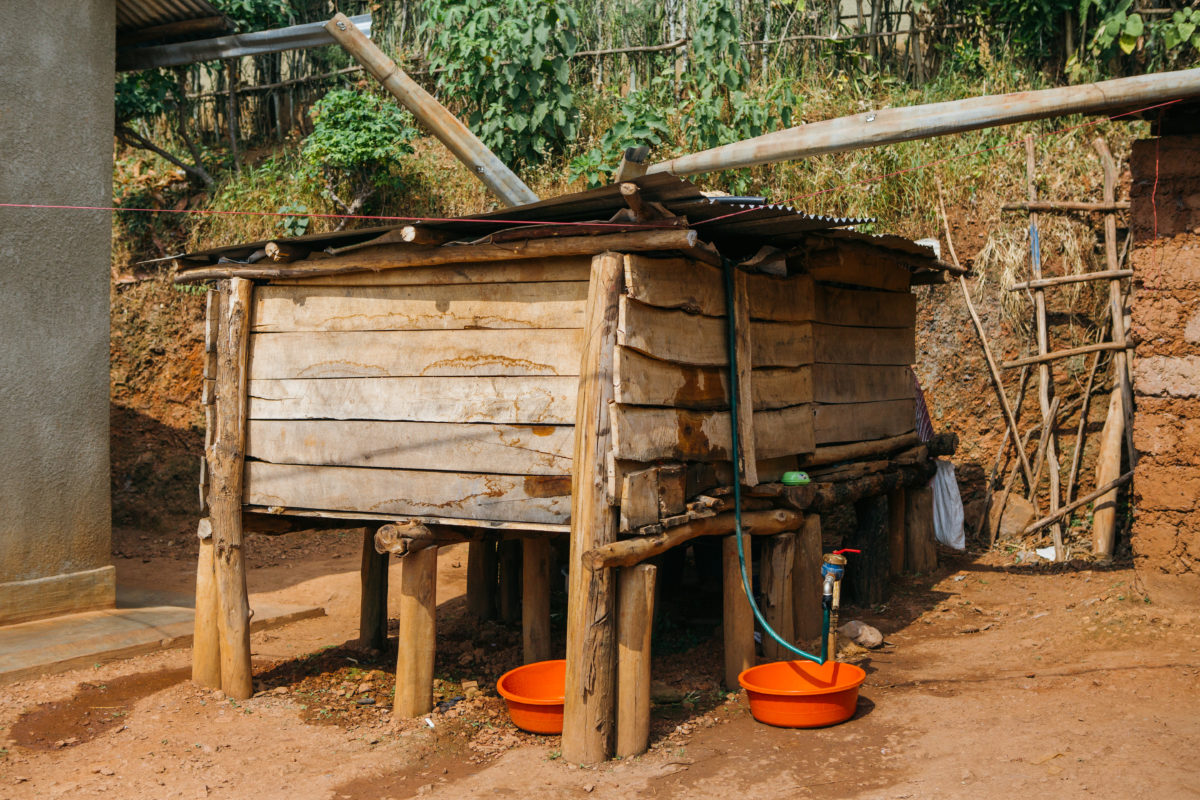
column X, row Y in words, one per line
column 896, row 543
column 225, row 500
column 509, row 558
column 867, row 572
column 635, row 620
column 806, row 581
column 481, row 579
column 918, row 523
column 372, row 613
column 589, row 713
column 738, row 617
column 778, row 565
column 418, row 633
column 206, row 646
column 537, row 557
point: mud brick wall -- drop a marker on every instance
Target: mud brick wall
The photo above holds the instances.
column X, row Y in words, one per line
column 1166, row 368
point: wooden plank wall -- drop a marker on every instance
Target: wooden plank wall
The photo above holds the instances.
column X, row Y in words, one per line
column 830, row 350
column 445, row 392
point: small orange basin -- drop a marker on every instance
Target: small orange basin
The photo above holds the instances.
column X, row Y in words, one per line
column 802, row 694
column 535, row 695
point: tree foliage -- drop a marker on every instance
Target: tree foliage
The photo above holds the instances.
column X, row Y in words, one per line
column 505, row 62
column 356, row 143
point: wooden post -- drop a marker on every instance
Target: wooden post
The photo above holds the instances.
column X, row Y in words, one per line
column 206, row 643
column 867, row 572
column 806, row 581
column 509, row 587
column 778, row 569
column 481, row 579
column 372, row 605
column 1108, row 467
column 418, row 633
column 738, row 616
column 1045, row 373
column 225, row 501
column 481, row 161
column 1116, row 299
column 897, row 547
column 588, row 722
column 918, row 524
column 635, row 620
column 536, row 574
column 231, row 71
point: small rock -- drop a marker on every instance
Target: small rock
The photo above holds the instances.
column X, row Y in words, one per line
column 662, row 692
column 218, row 695
column 1019, row 513
column 365, row 687
column 102, row 769
column 281, row 690
column 469, row 685
column 588, row 787
column 861, row 634
column 366, row 701
column 425, row 789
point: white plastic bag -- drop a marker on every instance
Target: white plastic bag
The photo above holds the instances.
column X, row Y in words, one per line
column 947, row 507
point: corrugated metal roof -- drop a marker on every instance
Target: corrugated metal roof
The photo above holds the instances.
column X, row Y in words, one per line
column 738, row 227
column 746, row 227
column 135, row 15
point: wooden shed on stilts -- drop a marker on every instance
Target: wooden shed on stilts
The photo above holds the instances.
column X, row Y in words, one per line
column 561, row 369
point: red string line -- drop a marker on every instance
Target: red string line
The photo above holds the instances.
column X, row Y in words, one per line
column 866, row 181
column 332, row 216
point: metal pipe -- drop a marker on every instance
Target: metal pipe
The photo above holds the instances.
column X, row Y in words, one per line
column 889, row 126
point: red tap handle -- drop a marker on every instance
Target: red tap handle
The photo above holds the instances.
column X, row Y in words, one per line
column 847, row 550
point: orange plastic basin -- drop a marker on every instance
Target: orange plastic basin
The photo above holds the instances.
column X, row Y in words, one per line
column 535, row 695
column 802, row 694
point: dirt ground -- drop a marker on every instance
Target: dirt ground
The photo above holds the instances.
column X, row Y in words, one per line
column 995, row 680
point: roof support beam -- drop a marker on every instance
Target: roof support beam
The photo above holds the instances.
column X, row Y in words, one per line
column 893, row 125
column 296, row 37
column 483, row 163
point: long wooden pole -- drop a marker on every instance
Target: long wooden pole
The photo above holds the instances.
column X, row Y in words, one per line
column 588, row 714
column 537, row 554
column 1069, row 507
column 418, row 633
column 627, row 552
column 1084, row 277
column 405, row 256
column 1045, row 374
column 1116, row 297
column 1058, row 355
column 482, row 162
column 888, row 126
column 225, row 500
column 997, row 383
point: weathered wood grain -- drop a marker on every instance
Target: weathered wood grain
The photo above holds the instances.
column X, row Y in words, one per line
column 691, row 286
column 446, row 446
column 840, row 344
column 857, row 265
column 340, row 354
column 506, row 498
column 698, row 340
column 645, row 381
column 860, row 383
column 857, row 422
column 651, row 434
column 407, row 308
column 538, row 270
column 639, row 499
column 507, row 400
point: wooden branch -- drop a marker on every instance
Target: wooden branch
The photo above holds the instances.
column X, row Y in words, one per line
column 627, row 552
column 588, row 714
column 415, row 234
column 1069, row 507
column 402, row 538
column 743, row 346
column 633, row 164
column 457, row 137
column 1107, row 275
column 227, row 458
column 997, row 383
column 285, row 252
column 1064, row 206
column 1081, row 433
column 847, row 452
column 1057, row 354
column 826, row 496
column 632, row 196
column 405, row 256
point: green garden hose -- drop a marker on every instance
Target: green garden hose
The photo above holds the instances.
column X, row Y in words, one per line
column 737, row 485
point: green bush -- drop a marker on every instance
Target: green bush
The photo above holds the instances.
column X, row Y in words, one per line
column 356, row 143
